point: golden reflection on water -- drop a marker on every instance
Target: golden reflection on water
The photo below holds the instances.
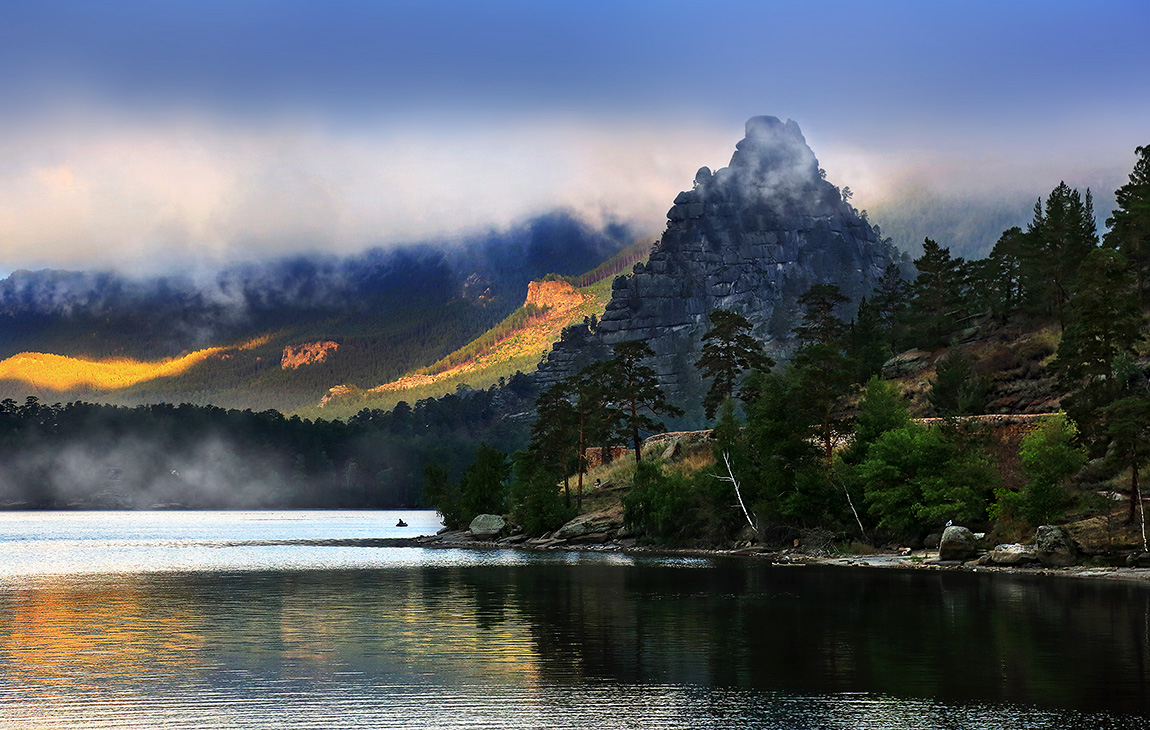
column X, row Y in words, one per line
column 65, row 636
column 72, row 633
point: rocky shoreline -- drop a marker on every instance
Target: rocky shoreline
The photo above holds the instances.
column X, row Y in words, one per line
column 905, row 560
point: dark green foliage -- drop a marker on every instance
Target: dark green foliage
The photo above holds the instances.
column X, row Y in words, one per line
column 786, row 473
column 937, row 295
column 1129, row 224
column 1056, row 244
column 634, row 393
column 819, row 323
column 867, row 342
column 483, row 486
column 728, row 351
column 820, row 369
column 957, row 390
column 1049, row 457
column 536, row 503
column 442, row 493
column 554, row 446
column 1000, row 286
column 1127, row 419
column 881, row 409
column 1105, row 323
column 659, row 504
column 915, row 479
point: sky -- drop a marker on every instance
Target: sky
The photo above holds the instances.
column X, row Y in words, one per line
column 155, row 136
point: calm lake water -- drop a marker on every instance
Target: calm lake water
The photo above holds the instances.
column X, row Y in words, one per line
column 280, row 620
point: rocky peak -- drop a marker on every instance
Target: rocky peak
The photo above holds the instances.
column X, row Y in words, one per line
column 750, row 237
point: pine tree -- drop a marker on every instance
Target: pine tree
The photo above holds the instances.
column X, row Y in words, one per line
column 634, row 391
column 823, row 372
column 1002, row 286
column 819, row 323
column 483, row 486
column 1104, row 324
column 1057, row 243
column 554, row 438
column 934, row 308
column 1129, row 224
column 890, row 300
column 728, row 351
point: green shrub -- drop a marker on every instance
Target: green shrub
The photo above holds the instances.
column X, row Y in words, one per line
column 537, row 505
column 1049, row 457
column 915, row 479
column 659, row 504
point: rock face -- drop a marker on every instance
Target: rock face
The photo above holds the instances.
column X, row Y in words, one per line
column 750, row 237
column 957, row 544
column 1054, row 547
column 306, row 354
column 487, row 526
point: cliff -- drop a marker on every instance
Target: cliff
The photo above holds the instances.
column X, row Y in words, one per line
column 750, row 237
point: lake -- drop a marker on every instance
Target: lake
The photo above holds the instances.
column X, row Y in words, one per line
column 285, row 620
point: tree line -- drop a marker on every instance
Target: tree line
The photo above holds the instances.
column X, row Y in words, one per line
column 84, row 455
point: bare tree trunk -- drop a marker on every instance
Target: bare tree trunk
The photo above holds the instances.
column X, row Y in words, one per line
column 580, row 466
column 738, row 493
column 1137, row 494
column 1134, row 491
column 635, row 434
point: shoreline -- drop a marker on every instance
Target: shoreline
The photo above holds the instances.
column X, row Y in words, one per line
column 923, row 560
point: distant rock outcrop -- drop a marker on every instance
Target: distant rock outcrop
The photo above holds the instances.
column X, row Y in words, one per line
column 306, row 354
column 750, row 237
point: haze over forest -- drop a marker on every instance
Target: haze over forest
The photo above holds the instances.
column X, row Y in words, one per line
column 181, row 136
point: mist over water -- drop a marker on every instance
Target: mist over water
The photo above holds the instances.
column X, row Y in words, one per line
column 283, row 619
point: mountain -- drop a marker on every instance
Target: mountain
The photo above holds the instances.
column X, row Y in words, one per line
column 276, row 334
column 750, row 237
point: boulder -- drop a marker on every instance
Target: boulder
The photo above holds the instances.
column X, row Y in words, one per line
column 1014, row 554
column 673, row 451
column 957, row 544
column 931, row 541
column 1138, row 560
column 487, row 526
column 1054, row 547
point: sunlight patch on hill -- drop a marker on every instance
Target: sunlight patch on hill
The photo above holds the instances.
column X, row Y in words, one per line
column 47, row 371
column 530, row 330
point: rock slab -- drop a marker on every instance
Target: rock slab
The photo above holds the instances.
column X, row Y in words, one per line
column 1013, row 555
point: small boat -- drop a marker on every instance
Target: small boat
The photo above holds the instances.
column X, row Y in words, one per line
column 401, row 523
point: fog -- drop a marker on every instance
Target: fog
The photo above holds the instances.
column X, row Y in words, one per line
column 191, row 194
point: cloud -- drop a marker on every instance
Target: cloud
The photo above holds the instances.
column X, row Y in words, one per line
column 161, row 195
column 177, row 192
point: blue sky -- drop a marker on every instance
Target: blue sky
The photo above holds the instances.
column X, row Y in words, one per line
column 148, row 135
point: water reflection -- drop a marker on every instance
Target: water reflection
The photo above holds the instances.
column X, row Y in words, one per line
column 613, row 643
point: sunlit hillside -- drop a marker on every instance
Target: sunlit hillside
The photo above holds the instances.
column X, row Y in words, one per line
column 515, row 344
column 59, row 373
